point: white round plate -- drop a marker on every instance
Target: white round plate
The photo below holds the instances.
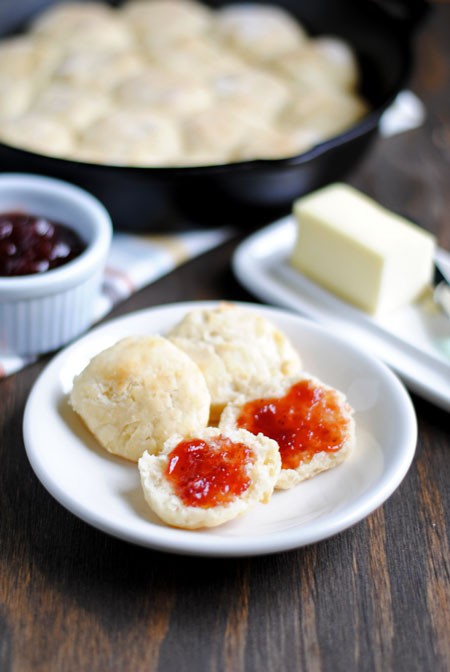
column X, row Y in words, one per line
column 105, row 491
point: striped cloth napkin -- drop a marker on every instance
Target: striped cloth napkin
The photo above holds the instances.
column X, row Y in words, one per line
column 133, row 262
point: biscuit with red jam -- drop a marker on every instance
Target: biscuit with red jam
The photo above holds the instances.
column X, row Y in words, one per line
column 209, row 477
column 311, row 422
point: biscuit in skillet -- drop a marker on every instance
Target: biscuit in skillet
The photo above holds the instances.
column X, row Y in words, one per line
column 258, row 31
column 124, row 137
column 163, row 23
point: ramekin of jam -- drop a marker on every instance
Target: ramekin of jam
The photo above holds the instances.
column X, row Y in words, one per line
column 54, row 240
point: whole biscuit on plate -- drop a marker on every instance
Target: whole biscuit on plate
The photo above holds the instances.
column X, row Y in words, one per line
column 236, row 349
column 312, row 423
column 209, row 477
column 137, row 393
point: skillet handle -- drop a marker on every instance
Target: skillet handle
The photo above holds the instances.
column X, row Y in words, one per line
column 406, row 14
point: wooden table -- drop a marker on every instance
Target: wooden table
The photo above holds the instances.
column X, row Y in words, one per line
column 375, row 597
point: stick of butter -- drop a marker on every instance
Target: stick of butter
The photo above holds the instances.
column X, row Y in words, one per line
column 360, row 251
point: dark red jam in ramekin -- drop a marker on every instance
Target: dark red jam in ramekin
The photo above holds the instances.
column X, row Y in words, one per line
column 30, row 244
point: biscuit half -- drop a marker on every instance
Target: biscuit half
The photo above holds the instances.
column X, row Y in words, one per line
column 312, row 423
column 137, row 393
column 210, row 477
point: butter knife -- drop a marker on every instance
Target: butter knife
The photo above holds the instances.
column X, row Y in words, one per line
column 441, row 291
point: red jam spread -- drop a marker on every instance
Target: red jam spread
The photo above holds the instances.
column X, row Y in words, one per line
column 30, row 244
column 209, row 473
column 306, row 421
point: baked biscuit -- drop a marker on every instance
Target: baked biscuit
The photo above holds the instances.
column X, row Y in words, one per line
column 236, row 349
column 320, row 64
column 38, row 133
column 212, row 135
column 139, row 392
column 15, row 98
column 156, row 90
column 130, row 138
column 209, row 477
column 198, row 57
column 160, row 23
column 25, row 64
column 26, row 57
column 85, row 25
column 325, row 113
column 340, row 60
column 259, row 31
column 68, row 16
column 97, row 70
column 251, row 92
column 67, row 104
column 275, row 142
column 312, row 423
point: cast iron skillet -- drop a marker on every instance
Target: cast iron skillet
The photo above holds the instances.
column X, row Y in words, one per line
column 249, row 193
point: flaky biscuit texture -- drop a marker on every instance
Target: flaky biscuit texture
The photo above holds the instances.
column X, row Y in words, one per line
column 137, row 393
column 163, row 500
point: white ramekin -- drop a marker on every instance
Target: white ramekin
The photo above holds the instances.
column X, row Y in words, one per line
column 41, row 312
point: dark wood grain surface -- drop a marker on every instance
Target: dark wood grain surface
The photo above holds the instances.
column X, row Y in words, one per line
column 375, row 597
